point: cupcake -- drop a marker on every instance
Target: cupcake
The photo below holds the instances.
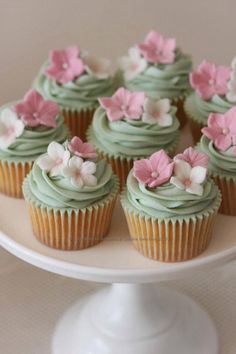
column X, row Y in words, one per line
column 70, row 196
column 214, row 88
column 158, row 68
column 129, row 126
column 219, row 143
column 26, row 129
column 170, row 205
column 74, row 80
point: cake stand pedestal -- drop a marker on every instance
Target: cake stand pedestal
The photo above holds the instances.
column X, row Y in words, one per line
column 131, row 316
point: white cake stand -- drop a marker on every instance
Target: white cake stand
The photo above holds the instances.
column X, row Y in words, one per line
column 132, row 316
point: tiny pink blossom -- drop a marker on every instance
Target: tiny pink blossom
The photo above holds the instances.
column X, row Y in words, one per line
column 221, row 129
column 65, row 65
column 34, row 110
column 123, row 104
column 209, row 80
column 155, row 170
column 157, row 49
column 80, row 149
column 193, row 157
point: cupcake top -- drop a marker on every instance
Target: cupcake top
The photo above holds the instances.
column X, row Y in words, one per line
column 219, row 143
column 128, row 124
column 157, row 67
column 28, row 126
column 75, row 79
column 69, row 176
column 214, row 90
column 165, row 188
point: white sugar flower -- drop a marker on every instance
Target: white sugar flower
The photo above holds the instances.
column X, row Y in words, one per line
column 231, row 94
column 55, row 160
column 133, row 64
column 157, row 112
column 187, row 178
column 98, row 67
column 80, row 172
column 11, row 127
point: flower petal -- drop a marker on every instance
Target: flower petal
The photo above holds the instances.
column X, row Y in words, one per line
column 195, row 188
column 90, row 180
column 182, row 170
column 198, row 174
column 45, row 162
column 55, row 150
column 177, row 183
column 88, row 167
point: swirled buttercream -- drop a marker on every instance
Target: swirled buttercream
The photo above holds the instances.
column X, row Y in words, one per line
column 131, row 138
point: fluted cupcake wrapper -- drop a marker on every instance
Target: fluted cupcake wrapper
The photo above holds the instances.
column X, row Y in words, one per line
column 196, row 124
column 71, row 229
column 227, row 186
column 180, row 113
column 171, row 240
column 12, row 175
column 78, row 121
column 121, row 165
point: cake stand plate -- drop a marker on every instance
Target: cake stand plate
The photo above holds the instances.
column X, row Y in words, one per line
column 131, row 316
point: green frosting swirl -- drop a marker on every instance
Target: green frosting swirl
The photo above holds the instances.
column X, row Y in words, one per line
column 34, row 141
column 199, row 109
column 58, row 192
column 131, row 138
column 77, row 95
column 220, row 162
column 167, row 201
column 164, row 80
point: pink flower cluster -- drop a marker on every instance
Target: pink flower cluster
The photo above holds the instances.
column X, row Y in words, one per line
column 125, row 104
column 157, row 49
column 35, row 111
column 221, row 129
column 209, row 80
column 71, row 161
column 68, row 64
column 187, row 171
column 31, row 112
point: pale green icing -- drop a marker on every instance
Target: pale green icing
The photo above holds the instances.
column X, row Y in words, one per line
column 199, row 109
column 58, row 192
column 167, row 201
column 81, row 94
column 164, row 80
column 131, row 138
column 220, row 162
column 34, row 141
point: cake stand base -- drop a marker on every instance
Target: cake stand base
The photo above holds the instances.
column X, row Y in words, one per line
column 135, row 319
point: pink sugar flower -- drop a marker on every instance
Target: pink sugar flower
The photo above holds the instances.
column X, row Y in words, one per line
column 123, row 104
column 193, row 157
column 221, row 129
column 65, row 65
column 158, row 50
column 80, row 149
column 34, row 110
column 154, row 171
column 209, row 80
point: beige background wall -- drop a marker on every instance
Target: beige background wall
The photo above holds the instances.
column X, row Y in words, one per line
column 29, row 28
